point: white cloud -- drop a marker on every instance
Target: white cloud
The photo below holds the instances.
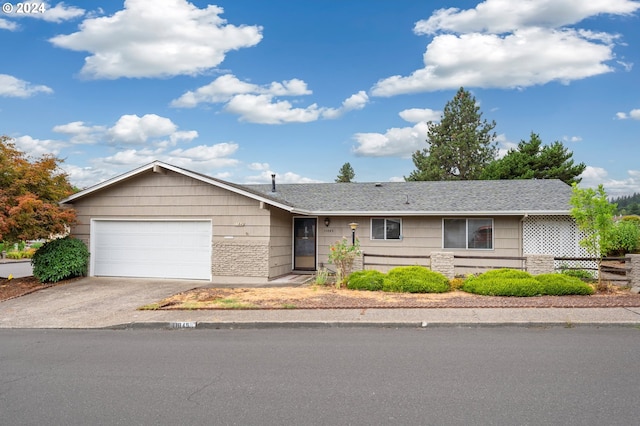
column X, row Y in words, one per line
column 594, row 176
column 226, row 87
column 288, row 177
column 80, row 133
column 416, row 115
column 183, row 136
column 507, row 44
column 167, row 38
column 38, row 147
column 263, row 109
column 260, row 104
column 354, row 102
column 395, row 142
column 84, row 177
column 504, row 145
column 131, row 129
column 206, row 152
column 633, row 114
column 16, row 88
column 524, row 58
column 59, row 13
column 8, row 25
column 222, row 89
column 398, row 141
column 572, row 138
column 258, row 166
column 500, row 16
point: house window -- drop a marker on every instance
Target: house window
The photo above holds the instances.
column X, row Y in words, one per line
column 475, row 234
column 386, row 229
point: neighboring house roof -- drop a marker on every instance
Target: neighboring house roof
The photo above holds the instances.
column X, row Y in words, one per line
column 486, row 197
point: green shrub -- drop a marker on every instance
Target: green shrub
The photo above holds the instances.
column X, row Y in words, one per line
column 322, row 276
column 562, row 284
column 414, row 279
column 14, row 255
column 60, row 259
column 365, row 280
column 509, row 282
column 503, row 282
column 625, row 237
column 578, row 273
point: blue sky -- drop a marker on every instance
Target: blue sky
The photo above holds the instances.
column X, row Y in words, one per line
column 240, row 89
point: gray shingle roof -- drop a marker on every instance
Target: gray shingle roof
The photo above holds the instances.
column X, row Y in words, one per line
column 498, row 197
column 442, row 197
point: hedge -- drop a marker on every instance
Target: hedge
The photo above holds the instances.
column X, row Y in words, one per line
column 365, row 280
column 510, row 282
column 415, row 279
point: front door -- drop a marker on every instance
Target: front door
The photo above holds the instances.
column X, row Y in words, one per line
column 304, row 244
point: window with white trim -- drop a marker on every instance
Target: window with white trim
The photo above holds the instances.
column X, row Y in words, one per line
column 472, row 234
column 386, row 229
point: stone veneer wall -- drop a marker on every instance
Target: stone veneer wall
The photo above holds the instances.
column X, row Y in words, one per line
column 633, row 263
column 250, row 259
column 443, row 262
column 540, row 264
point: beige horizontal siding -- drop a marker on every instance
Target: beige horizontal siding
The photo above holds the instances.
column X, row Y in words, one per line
column 238, row 221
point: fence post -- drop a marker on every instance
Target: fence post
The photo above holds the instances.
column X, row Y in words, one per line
column 358, row 262
column 632, row 262
column 540, row 264
column 443, row 262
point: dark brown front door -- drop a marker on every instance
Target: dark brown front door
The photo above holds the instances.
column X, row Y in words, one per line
column 304, row 244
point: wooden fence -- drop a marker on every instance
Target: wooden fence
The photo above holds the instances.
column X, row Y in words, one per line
column 613, row 268
column 424, row 260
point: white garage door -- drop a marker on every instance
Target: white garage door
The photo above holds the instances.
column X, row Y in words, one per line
column 151, row 249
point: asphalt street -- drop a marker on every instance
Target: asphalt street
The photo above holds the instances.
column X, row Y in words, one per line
column 453, row 376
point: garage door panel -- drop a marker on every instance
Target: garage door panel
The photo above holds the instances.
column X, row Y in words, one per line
column 153, row 249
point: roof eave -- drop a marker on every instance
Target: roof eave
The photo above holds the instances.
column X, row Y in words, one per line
column 202, row 178
column 441, row 213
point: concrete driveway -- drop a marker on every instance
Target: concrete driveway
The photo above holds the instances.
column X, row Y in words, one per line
column 91, row 302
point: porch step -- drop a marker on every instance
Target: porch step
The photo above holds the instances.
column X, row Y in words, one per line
column 293, row 279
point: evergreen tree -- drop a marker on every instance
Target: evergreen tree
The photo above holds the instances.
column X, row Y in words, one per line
column 533, row 161
column 460, row 145
column 628, row 204
column 346, row 173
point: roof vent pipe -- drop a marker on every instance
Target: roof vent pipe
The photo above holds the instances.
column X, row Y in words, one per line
column 273, row 182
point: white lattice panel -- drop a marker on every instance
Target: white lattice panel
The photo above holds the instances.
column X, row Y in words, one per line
column 556, row 235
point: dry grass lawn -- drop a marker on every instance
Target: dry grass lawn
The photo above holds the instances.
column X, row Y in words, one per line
column 324, row 297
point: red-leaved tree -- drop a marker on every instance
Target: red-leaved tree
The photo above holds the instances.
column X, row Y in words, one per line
column 30, row 190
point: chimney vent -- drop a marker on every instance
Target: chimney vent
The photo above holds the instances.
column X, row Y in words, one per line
column 273, row 182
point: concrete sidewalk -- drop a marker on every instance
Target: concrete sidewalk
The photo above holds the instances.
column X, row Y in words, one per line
column 113, row 303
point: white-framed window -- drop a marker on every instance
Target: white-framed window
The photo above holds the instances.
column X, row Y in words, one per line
column 471, row 234
column 386, row 229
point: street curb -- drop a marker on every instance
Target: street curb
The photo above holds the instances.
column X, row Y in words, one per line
column 194, row 325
